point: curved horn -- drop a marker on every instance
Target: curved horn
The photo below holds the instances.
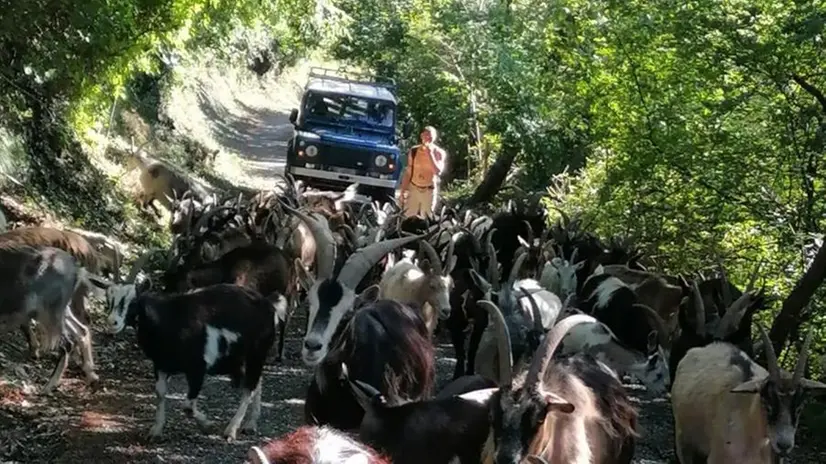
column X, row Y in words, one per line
column 118, row 262
column 699, row 310
column 801, row 360
column 528, row 227
column 537, row 313
column 503, row 341
column 731, row 318
column 724, row 290
column 771, row 356
column 517, row 266
column 325, row 251
column 546, row 351
column 435, row 261
column 659, row 324
column 468, row 218
column 351, row 234
column 139, row 264
column 360, row 262
column 477, row 246
column 493, row 264
column 449, row 263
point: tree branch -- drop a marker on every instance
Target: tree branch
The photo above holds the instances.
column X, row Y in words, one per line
column 811, row 89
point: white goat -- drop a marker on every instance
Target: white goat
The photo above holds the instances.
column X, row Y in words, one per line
column 427, row 286
column 728, row 409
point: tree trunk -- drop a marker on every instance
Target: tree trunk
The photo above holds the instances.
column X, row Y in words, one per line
column 789, row 318
column 494, row 178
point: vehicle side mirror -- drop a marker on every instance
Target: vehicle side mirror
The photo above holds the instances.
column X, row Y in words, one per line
column 293, row 116
column 407, row 128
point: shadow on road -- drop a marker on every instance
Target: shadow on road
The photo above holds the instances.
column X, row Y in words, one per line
column 259, row 136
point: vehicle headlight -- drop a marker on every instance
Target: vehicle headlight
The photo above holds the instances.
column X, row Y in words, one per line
column 311, row 150
column 381, row 161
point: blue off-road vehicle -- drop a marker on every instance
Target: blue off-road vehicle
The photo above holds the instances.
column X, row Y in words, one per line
column 345, row 133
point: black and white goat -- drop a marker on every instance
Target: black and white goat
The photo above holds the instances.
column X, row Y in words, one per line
column 331, row 294
column 570, row 410
column 39, row 283
column 636, row 325
column 222, row 329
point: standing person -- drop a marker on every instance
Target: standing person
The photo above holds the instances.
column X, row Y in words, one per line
column 422, row 175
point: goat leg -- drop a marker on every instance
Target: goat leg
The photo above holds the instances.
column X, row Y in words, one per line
column 251, row 424
column 231, row 432
column 195, row 381
column 82, row 337
column 31, row 339
column 60, row 367
column 161, row 387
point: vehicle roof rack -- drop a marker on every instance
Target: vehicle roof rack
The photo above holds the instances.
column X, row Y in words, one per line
column 343, row 75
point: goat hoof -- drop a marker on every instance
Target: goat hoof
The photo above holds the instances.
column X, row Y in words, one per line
column 154, row 435
column 231, row 435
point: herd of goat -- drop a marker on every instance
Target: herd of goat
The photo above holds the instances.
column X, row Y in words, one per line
column 557, row 317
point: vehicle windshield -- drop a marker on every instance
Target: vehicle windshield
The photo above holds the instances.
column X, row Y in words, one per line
column 347, row 108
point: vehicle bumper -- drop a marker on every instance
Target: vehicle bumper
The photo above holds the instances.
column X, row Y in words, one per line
column 338, row 177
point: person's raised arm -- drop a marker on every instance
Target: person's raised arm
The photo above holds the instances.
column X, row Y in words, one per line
column 438, row 157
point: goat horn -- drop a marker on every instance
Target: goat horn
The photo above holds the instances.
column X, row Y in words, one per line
column 732, row 316
column 546, row 351
column 503, row 341
column 528, row 227
column 477, row 246
column 699, row 310
column 468, row 218
column 771, row 356
column 659, row 324
column 724, row 289
column 517, row 266
column 537, row 313
column 435, row 261
column 139, row 264
column 574, row 255
column 493, row 264
column 351, row 234
column 802, row 359
column 449, row 261
column 753, row 278
column 360, row 262
column 325, row 252
column 117, row 264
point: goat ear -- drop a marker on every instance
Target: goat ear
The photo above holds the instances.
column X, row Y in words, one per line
column 479, row 396
column 751, row 386
column 143, row 284
column 555, row 402
column 369, row 295
column 304, row 278
column 579, row 265
column 522, row 241
column 653, row 341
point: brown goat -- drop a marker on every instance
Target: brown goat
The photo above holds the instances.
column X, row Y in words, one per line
column 70, row 242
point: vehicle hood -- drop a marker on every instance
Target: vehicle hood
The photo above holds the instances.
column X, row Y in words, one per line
column 347, row 137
